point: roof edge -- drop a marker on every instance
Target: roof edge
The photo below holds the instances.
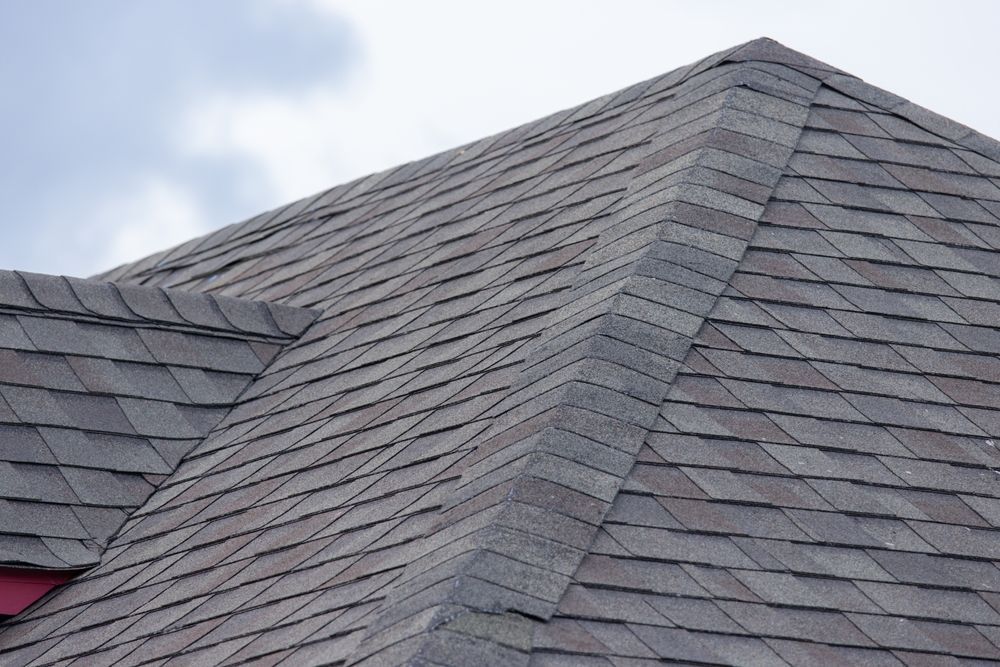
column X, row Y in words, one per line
column 77, row 297
column 544, row 474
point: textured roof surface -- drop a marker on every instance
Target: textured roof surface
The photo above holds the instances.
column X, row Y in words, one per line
column 703, row 371
column 102, row 390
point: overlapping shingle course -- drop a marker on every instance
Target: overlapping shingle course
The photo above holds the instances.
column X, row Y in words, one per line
column 104, row 389
column 701, row 371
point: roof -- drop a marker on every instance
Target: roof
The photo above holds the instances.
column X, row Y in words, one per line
column 702, row 371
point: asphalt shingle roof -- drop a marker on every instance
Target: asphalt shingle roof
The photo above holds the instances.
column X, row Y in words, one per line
column 703, row 371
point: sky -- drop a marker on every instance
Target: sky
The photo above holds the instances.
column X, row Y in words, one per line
column 127, row 127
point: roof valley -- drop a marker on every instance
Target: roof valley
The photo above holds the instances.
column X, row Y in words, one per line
column 546, row 471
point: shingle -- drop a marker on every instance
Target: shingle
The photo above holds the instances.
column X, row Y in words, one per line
column 828, row 143
column 12, row 335
column 916, row 601
column 733, row 519
column 943, row 476
column 832, row 270
column 95, row 413
column 898, row 412
column 641, row 575
column 979, row 339
column 846, row 122
column 112, row 452
column 55, row 335
column 659, row 543
column 888, row 329
column 52, row 292
column 35, row 406
column 150, row 304
column 694, row 614
column 75, row 553
column 692, row 450
column 216, row 353
column 787, row 589
column 50, row 519
column 917, row 568
column 23, row 443
column 797, row 623
column 802, row 653
column 905, row 305
column 924, row 636
column 807, row 461
column 25, row 549
column 100, row 487
column 846, row 350
column 248, row 316
column 829, row 560
column 35, row 482
column 115, row 342
column 803, row 318
column 900, row 385
column 853, row 170
column 198, row 309
column 793, row 400
column 39, row 370
column 102, row 299
column 928, row 180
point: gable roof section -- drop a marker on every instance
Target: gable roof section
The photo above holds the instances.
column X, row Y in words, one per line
column 103, row 389
column 697, row 371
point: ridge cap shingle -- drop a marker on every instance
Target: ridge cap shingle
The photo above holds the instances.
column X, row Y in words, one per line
column 124, row 302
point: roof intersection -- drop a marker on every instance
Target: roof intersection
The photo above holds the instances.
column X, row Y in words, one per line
column 103, row 389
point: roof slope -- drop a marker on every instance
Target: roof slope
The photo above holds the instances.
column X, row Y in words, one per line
column 700, row 371
column 103, row 389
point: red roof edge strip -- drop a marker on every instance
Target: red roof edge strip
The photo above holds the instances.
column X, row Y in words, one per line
column 21, row 587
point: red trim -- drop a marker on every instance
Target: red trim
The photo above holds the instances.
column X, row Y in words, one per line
column 21, row 587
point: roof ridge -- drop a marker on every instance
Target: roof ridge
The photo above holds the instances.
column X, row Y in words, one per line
column 679, row 223
column 368, row 184
column 765, row 49
column 80, row 297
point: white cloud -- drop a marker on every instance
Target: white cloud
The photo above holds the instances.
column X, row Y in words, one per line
column 300, row 144
column 152, row 216
column 438, row 73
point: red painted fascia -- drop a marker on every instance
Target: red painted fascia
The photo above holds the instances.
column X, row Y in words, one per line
column 21, row 587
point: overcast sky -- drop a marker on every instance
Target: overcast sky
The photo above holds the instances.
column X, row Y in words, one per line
column 126, row 127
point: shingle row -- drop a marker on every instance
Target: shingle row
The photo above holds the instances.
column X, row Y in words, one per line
column 87, row 298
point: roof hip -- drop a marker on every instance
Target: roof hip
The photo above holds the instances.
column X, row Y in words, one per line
column 590, row 391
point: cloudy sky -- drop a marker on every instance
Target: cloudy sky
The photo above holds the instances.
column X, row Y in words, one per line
column 126, row 126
